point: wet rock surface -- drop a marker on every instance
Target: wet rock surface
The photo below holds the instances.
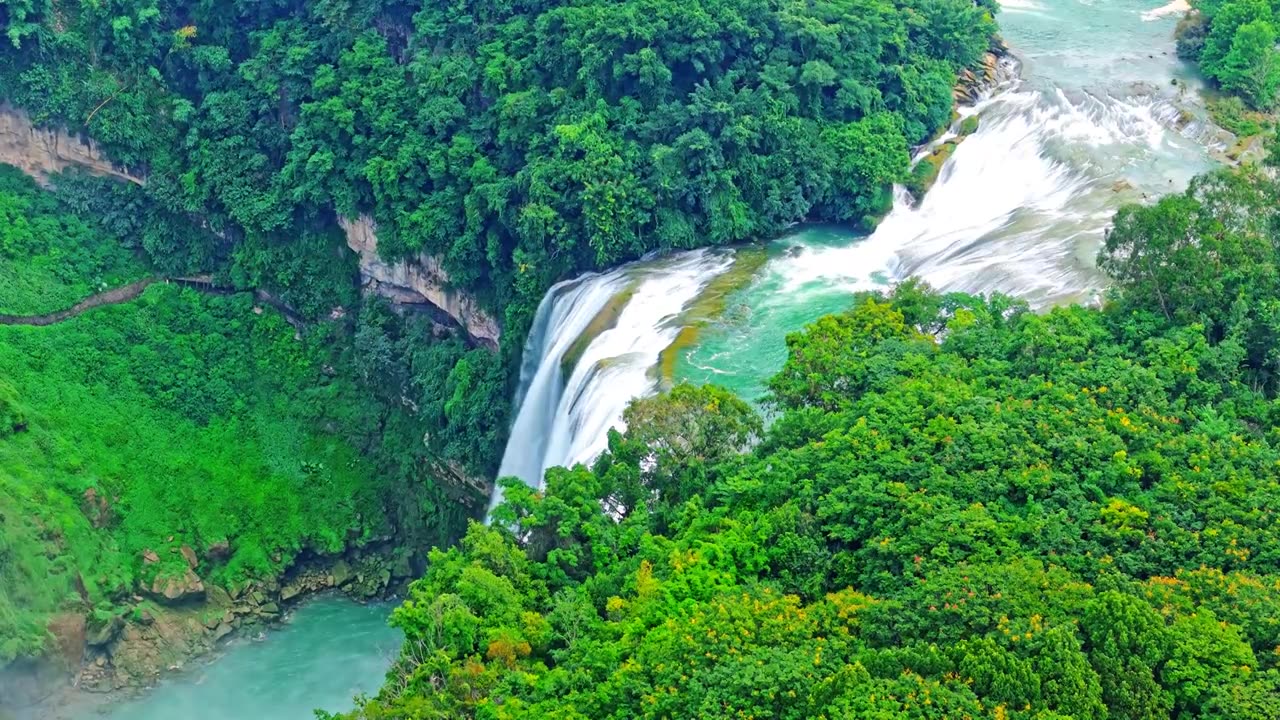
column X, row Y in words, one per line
column 178, row 618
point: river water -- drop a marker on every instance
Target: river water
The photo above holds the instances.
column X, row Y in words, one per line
column 1094, row 120
column 329, row 651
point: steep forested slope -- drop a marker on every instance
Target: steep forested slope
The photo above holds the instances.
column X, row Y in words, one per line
column 179, row 422
column 962, row 510
column 520, row 140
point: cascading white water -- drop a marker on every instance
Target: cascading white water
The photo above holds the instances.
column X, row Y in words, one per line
column 1020, row 207
column 565, row 421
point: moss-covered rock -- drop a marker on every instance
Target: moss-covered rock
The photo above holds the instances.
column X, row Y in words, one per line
column 710, row 305
column 605, row 320
column 925, row 173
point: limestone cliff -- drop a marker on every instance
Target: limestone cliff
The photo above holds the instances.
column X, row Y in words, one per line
column 421, row 280
column 42, row 152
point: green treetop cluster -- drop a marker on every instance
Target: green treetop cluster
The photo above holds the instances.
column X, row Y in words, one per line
column 962, row 510
column 1234, row 41
column 519, row 140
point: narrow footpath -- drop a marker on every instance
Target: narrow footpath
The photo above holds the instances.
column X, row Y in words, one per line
column 126, row 293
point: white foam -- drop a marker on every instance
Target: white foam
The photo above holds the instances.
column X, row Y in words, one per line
column 565, row 421
column 1020, row 5
column 1177, row 7
column 1011, row 209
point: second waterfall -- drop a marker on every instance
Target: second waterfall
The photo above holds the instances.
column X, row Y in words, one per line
column 1100, row 116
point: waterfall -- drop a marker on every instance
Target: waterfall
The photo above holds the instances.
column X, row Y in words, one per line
column 563, row 421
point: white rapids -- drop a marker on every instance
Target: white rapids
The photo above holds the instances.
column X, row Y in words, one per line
column 565, row 421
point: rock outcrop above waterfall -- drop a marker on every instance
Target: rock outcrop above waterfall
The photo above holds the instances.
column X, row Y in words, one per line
column 43, row 152
column 416, row 281
column 972, row 85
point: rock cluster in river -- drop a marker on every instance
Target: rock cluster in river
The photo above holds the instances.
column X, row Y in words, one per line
column 971, row 86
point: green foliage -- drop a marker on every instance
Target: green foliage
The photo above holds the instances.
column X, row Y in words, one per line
column 518, row 142
column 1207, row 259
column 1235, row 43
column 1252, row 66
column 458, row 393
column 50, row 258
column 925, row 172
column 13, row 416
column 961, row 509
column 185, row 418
column 1231, row 114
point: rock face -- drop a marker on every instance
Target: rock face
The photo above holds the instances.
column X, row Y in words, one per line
column 972, row 86
column 42, row 152
column 178, row 589
column 421, row 280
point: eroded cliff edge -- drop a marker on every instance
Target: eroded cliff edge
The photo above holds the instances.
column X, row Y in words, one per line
column 43, row 152
column 417, row 281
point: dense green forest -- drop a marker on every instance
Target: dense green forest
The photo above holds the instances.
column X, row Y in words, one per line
column 520, row 140
column 962, row 509
column 1234, row 42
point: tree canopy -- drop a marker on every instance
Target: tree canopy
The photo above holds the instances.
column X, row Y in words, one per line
column 1234, row 41
column 960, row 509
column 520, row 141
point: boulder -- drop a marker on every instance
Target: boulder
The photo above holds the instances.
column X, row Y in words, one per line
column 149, row 557
column 219, row 549
column 341, row 573
column 178, row 589
column 402, row 567
column 218, row 596
column 224, row 629
column 291, row 591
column 190, row 556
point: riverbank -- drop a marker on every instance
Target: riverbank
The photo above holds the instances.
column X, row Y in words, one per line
column 285, row 672
column 126, row 656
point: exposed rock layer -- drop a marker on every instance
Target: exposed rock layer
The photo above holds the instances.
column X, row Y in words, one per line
column 43, row 152
column 417, row 281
